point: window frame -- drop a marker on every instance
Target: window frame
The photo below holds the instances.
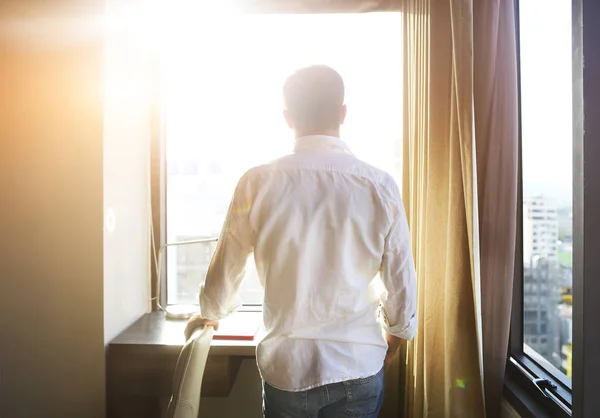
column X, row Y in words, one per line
column 573, row 397
column 523, row 366
column 586, row 230
column 158, row 172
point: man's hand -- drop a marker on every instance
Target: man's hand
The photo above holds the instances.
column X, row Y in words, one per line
column 196, row 322
column 393, row 345
column 387, row 362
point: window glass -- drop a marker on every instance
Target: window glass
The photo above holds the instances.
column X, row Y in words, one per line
column 224, row 114
column 546, row 111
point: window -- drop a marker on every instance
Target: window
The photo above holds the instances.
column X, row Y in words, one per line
column 223, row 114
column 545, row 53
column 541, row 321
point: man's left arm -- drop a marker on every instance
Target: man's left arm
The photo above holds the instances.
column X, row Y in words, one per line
column 219, row 295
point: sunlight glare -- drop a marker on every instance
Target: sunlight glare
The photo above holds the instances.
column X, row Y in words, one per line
column 222, row 88
column 224, row 78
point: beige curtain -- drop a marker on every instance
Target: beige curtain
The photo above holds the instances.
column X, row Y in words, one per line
column 441, row 370
column 496, row 127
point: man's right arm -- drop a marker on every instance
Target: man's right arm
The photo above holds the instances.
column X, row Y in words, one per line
column 399, row 301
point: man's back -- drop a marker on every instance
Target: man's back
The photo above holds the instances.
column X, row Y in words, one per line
column 320, row 219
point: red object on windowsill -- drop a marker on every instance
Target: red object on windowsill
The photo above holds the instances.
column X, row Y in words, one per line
column 239, row 326
column 237, row 336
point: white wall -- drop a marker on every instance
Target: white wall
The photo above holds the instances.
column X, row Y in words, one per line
column 51, row 267
column 126, row 176
column 67, row 286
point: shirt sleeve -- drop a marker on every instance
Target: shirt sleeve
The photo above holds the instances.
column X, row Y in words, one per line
column 399, row 300
column 219, row 294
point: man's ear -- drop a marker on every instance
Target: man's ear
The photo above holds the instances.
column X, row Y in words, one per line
column 288, row 118
column 343, row 114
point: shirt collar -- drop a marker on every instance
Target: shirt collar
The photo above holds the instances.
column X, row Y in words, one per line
column 320, row 142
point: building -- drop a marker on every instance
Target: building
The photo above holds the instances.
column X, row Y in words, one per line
column 540, row 230
column 566, row 313
column 565, row 223
column 543, row 279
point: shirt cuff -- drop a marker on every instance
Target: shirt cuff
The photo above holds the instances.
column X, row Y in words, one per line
column 403, row 331
column 210, row 310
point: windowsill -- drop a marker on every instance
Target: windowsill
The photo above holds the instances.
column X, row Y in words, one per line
column 522, row 402
column 525, row 398
column 154, row 329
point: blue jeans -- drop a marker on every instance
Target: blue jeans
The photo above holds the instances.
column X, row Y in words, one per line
column 353, row 398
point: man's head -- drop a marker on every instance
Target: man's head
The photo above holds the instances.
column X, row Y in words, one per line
column 314, row 101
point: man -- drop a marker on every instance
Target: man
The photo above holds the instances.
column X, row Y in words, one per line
column 321, row 224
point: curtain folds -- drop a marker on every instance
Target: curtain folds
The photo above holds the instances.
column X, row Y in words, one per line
column 442, row 368
column 496, row 127
column 460, row 192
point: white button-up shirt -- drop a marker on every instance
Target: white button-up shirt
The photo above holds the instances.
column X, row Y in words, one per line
column 321, row 224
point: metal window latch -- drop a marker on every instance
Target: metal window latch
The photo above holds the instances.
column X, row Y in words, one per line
column 543, row 385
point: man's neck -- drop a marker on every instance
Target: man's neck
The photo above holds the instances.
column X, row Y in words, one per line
column 332, row 132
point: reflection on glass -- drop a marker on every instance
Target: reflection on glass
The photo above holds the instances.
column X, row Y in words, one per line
column 224, row 114
column 546, row 108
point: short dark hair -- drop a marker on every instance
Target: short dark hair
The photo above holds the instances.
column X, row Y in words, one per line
column 314, row 97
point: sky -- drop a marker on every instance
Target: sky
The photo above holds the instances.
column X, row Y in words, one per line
column 226, row 96
column 546, row 97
